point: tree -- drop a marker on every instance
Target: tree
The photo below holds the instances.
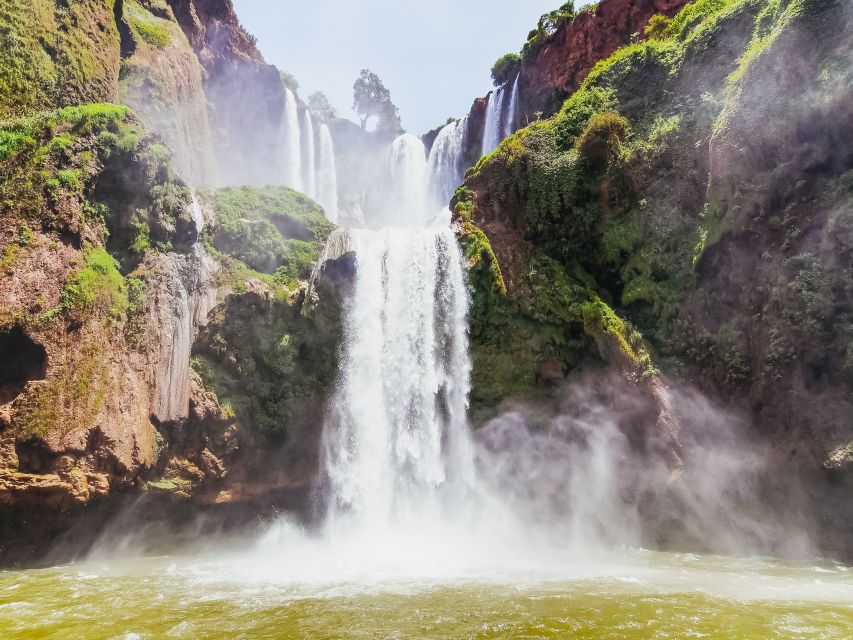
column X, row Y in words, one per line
column 389, row 118
column 506, row 68
column 371, row 98
column 319, row 105
column 289, row 81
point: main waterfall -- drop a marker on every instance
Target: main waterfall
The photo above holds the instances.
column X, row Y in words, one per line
column 396, row 442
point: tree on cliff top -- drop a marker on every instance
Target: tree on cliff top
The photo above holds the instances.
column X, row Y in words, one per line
column 319, row 105
column 372, row 99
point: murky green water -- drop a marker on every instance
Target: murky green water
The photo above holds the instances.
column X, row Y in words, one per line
column 632, row 595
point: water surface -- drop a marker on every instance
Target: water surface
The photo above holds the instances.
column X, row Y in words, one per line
column 634, row 594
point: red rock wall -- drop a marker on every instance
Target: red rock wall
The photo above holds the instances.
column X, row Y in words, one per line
column 557, row 68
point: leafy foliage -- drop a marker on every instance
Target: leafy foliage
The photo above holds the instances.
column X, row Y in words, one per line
column 506, row 68
column 372, row 99
column 274, row 230
column 319, row 105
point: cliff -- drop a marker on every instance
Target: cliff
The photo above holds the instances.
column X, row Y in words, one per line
column 246, row 95
column 54, row 54
column 558, row 56
column 554, row 66
column 691, row 201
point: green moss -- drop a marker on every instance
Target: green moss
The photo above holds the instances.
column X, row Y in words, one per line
column 609, row 330
column 601, row 141
column 146, row 26
column 272, row 230
column 270, row 365
column 56, row 53
column 98, row 286
column 72, row 396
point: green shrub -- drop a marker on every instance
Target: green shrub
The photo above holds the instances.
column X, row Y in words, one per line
column 600, row 144
column 98, row 287
column 506, row 68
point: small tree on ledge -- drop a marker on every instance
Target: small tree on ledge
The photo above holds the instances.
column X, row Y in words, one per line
column 372, row 99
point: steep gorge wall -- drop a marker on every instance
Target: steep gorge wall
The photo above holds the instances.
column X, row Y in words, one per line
column 693, row 196
column 246, row 94
column 558, row 62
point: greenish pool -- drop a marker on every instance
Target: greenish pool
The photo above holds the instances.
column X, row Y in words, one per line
column 631, row 594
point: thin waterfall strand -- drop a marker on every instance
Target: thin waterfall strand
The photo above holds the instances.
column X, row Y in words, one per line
column 309, row 168
column 327, row 177
column 445, row 166
column 492, row 127
column 291, row 146
column 509, row 123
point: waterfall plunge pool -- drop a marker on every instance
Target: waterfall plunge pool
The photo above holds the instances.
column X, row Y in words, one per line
column 627, row 594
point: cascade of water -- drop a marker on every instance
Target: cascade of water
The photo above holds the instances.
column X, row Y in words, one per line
column 291, row 145
column 327, row 179
column 509, row 124
column 445, row 166
column 396, row 444
column 406, row 204
column 492, row 129
column 309, row 165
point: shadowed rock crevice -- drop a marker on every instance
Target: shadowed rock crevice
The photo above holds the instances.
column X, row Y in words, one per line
column 21, row 360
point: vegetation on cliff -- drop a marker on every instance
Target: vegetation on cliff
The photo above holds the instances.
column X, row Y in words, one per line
column 55, row 54
column 697, row 192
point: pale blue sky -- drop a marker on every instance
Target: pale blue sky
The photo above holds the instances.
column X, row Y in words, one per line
column 434, row 55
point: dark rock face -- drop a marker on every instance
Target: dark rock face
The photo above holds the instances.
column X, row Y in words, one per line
column 22, row 360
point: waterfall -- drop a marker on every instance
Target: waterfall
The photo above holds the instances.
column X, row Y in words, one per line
column 406, row 202
column 492, row 129
column 291, row 145
column 445, row 166
column 500, row 117
column 396, row 445
column 309, row 168
column 327, row 179
column 509, row 125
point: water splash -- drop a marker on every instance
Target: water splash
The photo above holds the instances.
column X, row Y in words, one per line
column 309, row 160
column 446, row 164
column 327, row 179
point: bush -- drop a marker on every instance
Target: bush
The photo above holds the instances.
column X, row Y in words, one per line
column 600, row 144
column 97, row 287
column 506, row 68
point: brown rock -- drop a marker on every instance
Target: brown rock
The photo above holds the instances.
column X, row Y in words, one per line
column 558, row 66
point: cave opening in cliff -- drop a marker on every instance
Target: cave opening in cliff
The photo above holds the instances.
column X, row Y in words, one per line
column 21, row 360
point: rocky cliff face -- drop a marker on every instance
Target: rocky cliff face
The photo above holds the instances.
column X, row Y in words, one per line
column 76, row 420
column 246, row 94
column 554, row 63
column 54, row 54
column 105, row 286
column 691, row 204
column 161, row 80
column 555, row 67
